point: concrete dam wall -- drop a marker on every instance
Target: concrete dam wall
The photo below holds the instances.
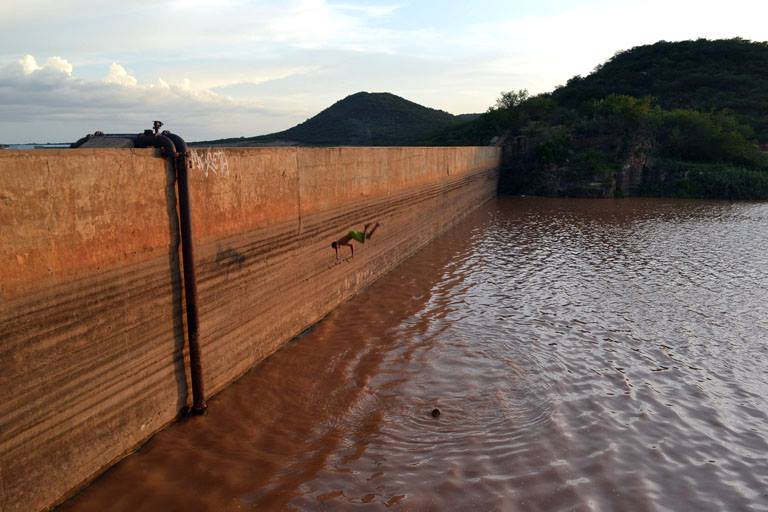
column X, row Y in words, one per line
column 92, row 355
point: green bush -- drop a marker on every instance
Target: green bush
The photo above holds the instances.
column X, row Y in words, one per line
column 706, row 137
column 710, row 181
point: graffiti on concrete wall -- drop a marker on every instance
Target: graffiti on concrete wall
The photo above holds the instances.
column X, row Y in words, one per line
column 209, row 162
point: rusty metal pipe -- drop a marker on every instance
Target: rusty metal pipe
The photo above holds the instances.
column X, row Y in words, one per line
column 175, row 149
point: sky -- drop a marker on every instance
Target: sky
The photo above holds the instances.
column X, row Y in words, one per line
column 229, row 68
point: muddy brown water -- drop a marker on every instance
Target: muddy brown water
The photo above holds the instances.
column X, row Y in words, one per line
column 584, row 355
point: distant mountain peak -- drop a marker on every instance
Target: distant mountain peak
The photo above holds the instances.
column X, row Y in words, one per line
column 361, row 119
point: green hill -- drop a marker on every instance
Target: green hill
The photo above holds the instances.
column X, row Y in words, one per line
column 682, row 119
column 700, row 75
column 362, row 119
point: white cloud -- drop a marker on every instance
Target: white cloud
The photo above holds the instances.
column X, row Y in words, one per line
column 59, row 64
column 209, row 26
column 310, row 24
column 51, row 99
column 319, row 24
column 119, row 75
column 28, row 64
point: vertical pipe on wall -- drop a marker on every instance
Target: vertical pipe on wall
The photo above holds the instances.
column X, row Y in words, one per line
column 199, row 405
column 175, row 149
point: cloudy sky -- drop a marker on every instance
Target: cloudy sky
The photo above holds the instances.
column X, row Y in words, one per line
column 216, row 68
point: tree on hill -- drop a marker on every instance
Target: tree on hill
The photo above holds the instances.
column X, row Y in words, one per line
column 511, row 99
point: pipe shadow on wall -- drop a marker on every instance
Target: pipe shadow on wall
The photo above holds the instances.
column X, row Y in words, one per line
column 174, row 267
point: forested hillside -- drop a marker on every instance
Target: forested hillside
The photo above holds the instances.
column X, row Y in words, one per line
column 684, row 119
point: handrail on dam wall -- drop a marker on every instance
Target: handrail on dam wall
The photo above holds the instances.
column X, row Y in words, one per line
column 91, row 308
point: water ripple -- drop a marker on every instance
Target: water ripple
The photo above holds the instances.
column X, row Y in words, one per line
column 584, row 355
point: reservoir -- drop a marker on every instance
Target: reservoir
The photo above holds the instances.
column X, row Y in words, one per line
column 583, row 355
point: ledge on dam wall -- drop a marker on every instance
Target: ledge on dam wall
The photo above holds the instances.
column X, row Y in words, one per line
column 93, row 359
